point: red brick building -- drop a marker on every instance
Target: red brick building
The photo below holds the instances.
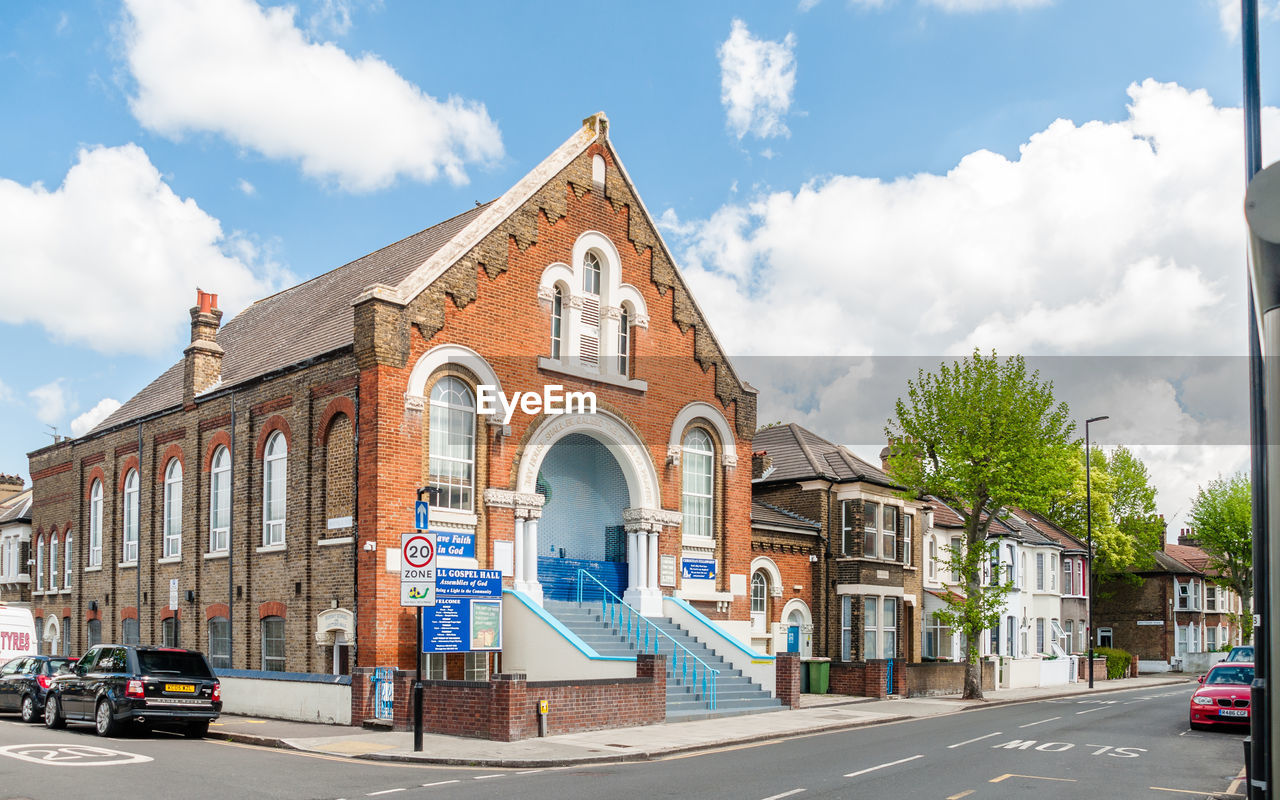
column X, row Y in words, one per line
column 262, row 483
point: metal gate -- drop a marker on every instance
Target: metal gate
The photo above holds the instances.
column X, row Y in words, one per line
column 384, row 692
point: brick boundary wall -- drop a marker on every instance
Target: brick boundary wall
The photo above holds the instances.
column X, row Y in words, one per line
column 867, row 678
column 1099, row 668
column 944, row 678
column 787, row 670
column 505, row 708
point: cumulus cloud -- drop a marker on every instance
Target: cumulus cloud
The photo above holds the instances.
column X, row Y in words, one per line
column 252, row 76
column 51, row 401
column 757, row 79
column 1229, row 15
column 118, row 276
column 90, row 419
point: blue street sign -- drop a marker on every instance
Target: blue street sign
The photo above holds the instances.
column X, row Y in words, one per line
column 421, row 514
column 698, row 568
column 468, row 582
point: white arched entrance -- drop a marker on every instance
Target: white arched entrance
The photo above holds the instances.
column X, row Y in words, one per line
column 610, row 478
column 795, row 614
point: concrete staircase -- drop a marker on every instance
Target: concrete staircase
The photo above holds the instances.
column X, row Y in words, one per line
column 735, row 693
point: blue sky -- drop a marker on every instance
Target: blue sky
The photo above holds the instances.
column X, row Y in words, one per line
column 1059, row 179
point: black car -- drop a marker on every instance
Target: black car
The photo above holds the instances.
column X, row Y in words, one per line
column 25, row 680
column 114, row 684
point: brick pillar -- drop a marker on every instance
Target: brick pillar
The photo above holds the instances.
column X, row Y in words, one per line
column 654, row 666
column 509, row 708
column 787, row 671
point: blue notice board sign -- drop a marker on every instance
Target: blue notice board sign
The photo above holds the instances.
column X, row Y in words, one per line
column 455, row 543
column 462, row 625
column 697, row 568
column 468, row 582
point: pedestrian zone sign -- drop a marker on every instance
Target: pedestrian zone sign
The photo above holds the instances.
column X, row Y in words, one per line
column 418, row 569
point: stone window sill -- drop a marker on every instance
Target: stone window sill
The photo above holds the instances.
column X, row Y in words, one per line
column 335, row 541
column 169, row 560
column 215, row 555
column 98, row 568
column 271, row 548
column 554, row 365
column 128, row 565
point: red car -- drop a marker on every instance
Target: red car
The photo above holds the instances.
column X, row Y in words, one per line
column 1223, row 696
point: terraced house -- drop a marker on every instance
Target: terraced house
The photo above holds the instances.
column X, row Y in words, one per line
column 250, row 500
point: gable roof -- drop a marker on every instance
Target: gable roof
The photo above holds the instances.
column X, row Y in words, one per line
column 297, row 324
column 799, row 454
column 1011, row 525
column 1051, row 531
column 17, row 508
column 763, row 513
column 1190, row 555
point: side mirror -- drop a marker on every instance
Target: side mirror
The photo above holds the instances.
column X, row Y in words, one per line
column 1200, row 679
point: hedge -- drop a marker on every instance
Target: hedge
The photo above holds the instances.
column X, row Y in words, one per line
column 1117, row 661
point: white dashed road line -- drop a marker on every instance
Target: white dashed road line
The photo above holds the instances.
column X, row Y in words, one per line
column 1041, row 722
column 882, row 766
column 1091, row 710
column 971, row 741
column 438, row 783
column 486, row 777
column 784, row 794
column 384, row 791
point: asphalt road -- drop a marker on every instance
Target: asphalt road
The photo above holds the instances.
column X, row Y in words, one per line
column 1133, row 744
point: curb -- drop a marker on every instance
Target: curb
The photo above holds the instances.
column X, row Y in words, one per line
column 996, row 703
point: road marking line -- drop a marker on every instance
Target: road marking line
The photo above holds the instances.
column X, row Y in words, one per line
column 384, row 791
column 528, row 771
column 971, row 741
column 784, row 794
column 1179, row 791
column 965, row 793
column 1091, row 710
column 882, row 766
column 486, row 777
column 1033, row 777
column 1041, row 722
column 439, row 783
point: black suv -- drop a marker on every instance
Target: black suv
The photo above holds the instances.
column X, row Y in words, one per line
column 113, row 683
column 25, row 680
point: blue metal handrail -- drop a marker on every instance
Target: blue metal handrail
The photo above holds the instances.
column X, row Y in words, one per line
column 630, row 622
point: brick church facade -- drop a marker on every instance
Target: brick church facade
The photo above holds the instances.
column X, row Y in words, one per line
column 262, row 483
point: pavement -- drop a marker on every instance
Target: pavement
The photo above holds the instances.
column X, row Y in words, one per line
column 817, row 714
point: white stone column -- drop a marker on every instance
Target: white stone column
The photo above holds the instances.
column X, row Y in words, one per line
column 519, row 554
column 531, row 556
column 653, row 562
column 642, row 563
column 633, row 560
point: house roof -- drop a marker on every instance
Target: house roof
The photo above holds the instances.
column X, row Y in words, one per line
column 1169, row 563
column 1051, row 531
column 799, row 454
column 763, row 513
column 16, row 508
column 302, row 322
column 1190, row 555
column 1011, row 524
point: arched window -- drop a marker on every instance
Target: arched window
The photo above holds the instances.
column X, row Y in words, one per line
column 273, row 644
column 39, row 565
column 759, row 602
column 452, row 443
column 53, row 562
column 274, row 480
column 697, row 485
column 95, row 524
column 95, row 632
column 220, row 643
column 130, row 631
column 66, row 565
column 129, row 550
column 173, row 509
column 557, row 323
column 591, row 274
column 624, row 343
column 220, row 501
column 169, row 632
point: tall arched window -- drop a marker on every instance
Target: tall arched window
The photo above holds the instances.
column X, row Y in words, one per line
column 130, row 632
column 273, row 649
column 624, row 343
column 66, row 564
column 759, row 602
column 220, row 643
column 557, row 323
column 452, row 443
column 697, row 485
column 274, row 479
column 173, row 509
column 220, row 501
column 95, row 524
column 39, row 565
column 591, row 274
column 53, row 562
column 129, row 550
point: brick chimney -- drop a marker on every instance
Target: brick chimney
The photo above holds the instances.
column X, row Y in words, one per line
column 1187, row 536
column 203, row 367
column 760, row 463
column 10, row 486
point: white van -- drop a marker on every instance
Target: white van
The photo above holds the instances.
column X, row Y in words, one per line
column 17, row 632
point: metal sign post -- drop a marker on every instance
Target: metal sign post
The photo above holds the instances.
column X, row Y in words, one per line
column 422, row 559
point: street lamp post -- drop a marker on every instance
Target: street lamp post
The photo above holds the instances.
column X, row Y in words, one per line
column 1088, row 516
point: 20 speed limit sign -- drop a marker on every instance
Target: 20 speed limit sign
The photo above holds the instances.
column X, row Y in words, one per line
column 418, row 569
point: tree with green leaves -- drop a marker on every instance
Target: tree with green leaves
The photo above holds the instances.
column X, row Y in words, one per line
column 982, row 433
column 1222, row 517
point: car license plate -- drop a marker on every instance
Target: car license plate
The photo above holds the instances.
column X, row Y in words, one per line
column 180, row 687
column 1234, row 712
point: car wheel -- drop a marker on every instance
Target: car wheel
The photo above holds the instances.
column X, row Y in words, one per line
column 197, row 730
column 103, row 720
column 53, row 713
column 29, row 709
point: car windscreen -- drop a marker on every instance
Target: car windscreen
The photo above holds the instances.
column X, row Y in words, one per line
column 168, row 662
column 1240, row 654
column 1232, row 675
column 53, row 666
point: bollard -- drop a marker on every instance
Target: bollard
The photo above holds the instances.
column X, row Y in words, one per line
column 543, row 707
column 417, row 716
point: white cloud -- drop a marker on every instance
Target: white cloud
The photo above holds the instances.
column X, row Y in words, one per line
column 6, row 393
column 971, row 6
column 1229, row 15
column 332, row 17
column 64, row 19
column 805, row 5
column 90, row 419
column 757, row 79
column 118, row 276
column 246, row 188
column 251, row 75
column 52, row 402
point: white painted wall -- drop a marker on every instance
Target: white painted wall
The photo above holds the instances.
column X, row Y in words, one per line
column 1055, row 671
column 1199, row 663
column 303, row 701
column 533, row 646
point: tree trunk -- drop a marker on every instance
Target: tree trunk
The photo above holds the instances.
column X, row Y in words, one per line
column 972, row 675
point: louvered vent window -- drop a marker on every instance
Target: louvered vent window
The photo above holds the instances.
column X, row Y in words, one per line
column 589, row 339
